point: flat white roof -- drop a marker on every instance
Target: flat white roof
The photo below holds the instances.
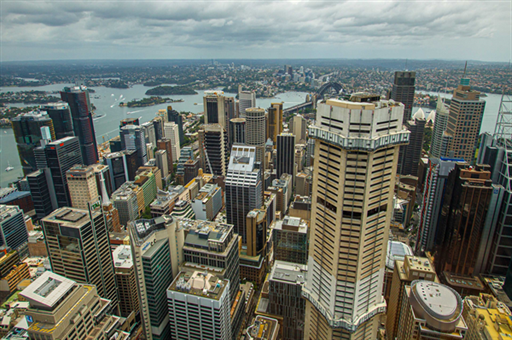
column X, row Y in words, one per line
column 48, row 289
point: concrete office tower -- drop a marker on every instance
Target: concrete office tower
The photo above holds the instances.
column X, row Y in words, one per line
column 61, row 117
column 431, row 310
column 256, row 226
column 357, row 144
column 440, row 139
column 284, row 297
column 404, row 272
column 64, row 309
column 171, row 131
column 464, row 122
column 462, row 226
column 27, row 133
column 82, row 185
column 162, row 162
column 199, row 306
column 176, row 117
column 255, row 131
column 81, row 111
column 410, row 154
column 149, row 132
column 208, row 202
column 433, row 193
column 213, row 151
column 237, row 131
column 286, row 155
column 191, row 169
column 156, row 249
column 166, row 144
column 243, row 187
column 13, row 230
column 62, row 155
column 310, row 149
column 214, row 110
column 78, row 247
column 126, row 203
column 299, row 127
column 126, row 280
column 132, row 138
column 274, row 122
column 246, row 99
column 403, row 91
column 290, row 238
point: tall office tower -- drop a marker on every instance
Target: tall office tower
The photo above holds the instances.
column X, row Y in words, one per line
column 190, row 169
column 118, row 166
column 464, row 122
column 299, row 127
column 431, row 310
column 255, row 131
column 288, row 69
column 357, row 144
column 243, row 188
column 64, row 309
column 81, row 111
column 213, row 151
column 27, row 133
column 410, row 154
column 82, row 185
column 290, row 238
column 246, row 99
column 62, row 155
column 176, row 117
column 132, row 138
column 310, row 149
column 156, row 245
column 158, row 124
column 440, row 139
column 42, row 195
column 436, row 178
column 126, row 202
column 403, row 91
column 404, row 272
column 126, row 280
column 256, row 227
column 102, row 171
column 199, row 306
column 162, row 162
column 285, row 155
column 284, row 297
column 236, row 131
column 186, row 154
column 230, row 108
column 166, row 144
column 221, row 246
column 214, row 110
column 149, row 132
column 61, row 117
column 274, row 121
column 78, row 247
column 13, row 231
column 171, row 132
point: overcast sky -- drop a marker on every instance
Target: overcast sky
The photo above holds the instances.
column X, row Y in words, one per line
column 49, row 30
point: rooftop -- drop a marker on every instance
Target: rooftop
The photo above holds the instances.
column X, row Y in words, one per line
column 199, row 283
column 471, row 282
column 292, row 224
column 263, row 328
column 122, row 256
column 69, row 216
column 48, row 289
column 287, row 272
column 200, row 233
column 396, row 251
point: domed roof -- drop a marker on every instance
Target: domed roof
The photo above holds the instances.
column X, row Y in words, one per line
column 419, row 114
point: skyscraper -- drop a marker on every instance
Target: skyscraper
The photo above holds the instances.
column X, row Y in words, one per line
column 42, row 195
column 149, row 133
column 61, row 117
column 27, row 133
column 274, row 122
column 299, row 128
column 285, row 155
column 78, row 247
column 403, row 91
column 246, row 99
column 464, row 122
column 118, row 166
column 132, row 138
column 357, row 144
column 410, row 154
column 177, row 118
column 126, row 280
column 166, row 144
column 82, row 185
column 83, row 125
column 13, row 231
column 440, row 139
column 213, row 149
column 243, row 188
column 255, row 131
column 236, row 131
column 171, row 131
column 214, row 111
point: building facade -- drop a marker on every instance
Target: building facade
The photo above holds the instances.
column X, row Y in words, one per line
column 403, row 91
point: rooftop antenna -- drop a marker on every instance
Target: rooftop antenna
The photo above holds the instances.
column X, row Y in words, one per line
column 465, row 68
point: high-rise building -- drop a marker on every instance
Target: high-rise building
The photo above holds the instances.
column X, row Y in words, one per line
column 81, row 111
column 199, row 306
column 176, row 117
column 410, row 154
column 357, row 143
column 126, row 203
column 156, row 245
column 274, row 122
column 82, row 185
column 431, row 310
column 256, row 230
column 243, row 187
column 149, row 132
column 158, row 123
column 191, row 169
column 255, row 131
column 464, row 122
column 162, row 162
column 404, row 272
column 61, row 117
column 208, row 202
column 128, row 121
column 213, row 151
column 118, row 165
column 27, row 133
column 299, row 127
column 78, row 247
column 13, row 230
column 126, row 280
column 246, row 99
column 61, row 308
column 166, row 144
column 403, row 91
column 62, row 155
column 440, row 139
column 285, row 155
column 214, row 110
column 237, row 131
column 42, row 194
column 310, row 149
column 171, row 132
column 290, row 238
column 132, row 138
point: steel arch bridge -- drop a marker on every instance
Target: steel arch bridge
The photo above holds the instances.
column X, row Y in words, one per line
column 327, row 86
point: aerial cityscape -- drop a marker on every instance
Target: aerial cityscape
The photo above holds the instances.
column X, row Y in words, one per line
column 172, row 171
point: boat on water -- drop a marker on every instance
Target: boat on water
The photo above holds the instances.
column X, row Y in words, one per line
column 9, row 167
